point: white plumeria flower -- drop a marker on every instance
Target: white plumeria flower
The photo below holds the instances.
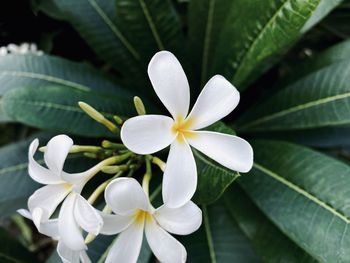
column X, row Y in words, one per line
column 50, row 228
column 75, row 213
column 134, row 215
column 150, row 133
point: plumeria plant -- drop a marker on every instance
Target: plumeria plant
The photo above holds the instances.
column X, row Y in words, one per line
column 183, row 136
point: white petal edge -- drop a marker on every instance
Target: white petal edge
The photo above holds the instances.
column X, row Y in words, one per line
column 69, row 231
column 66, row 254
column 127, row 246
column 86, row 216
column 170, row 83
column 180, row 175
column 148, row 133
column 217, row 99
column 180, row 221
column 48, row 198
column 36, row 171
column 84, row 258
column 114, row 224
column 48, row 228
column 230, row 151
column 56, row 152
column 165, row 247
column 125, row 195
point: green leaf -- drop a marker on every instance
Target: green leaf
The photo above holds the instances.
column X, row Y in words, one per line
column 256, row 33
column 204, row 32
column 16, row 185
column 213, row 178
column 11, row 251
column 218, row 240
column 56, row 108
column 335, row 137
column 32, row 70
column 156, row 22
column 321, row 99
column 306, row 194
column 271, row 245
column 337, row 53
column 322, row 10
column 96, row 22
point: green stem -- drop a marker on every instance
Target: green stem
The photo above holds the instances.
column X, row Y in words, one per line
column 148, row 175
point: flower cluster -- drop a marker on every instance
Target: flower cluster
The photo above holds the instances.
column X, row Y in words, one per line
column 24, row 48
column 128, row 211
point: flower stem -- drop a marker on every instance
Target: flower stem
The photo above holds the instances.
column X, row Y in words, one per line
column 159, row 163
column 148, row 175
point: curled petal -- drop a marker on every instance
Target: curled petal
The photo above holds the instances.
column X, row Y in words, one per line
column 217, row 99
column 127, row 246
column 170, row 83
column 48, row 198
column 180, row 175
column 48, row 228
column 165, row 247
column 148, row 133
column 230, row 151
column 86, row 216
column 70, row 233
column 56, row 152
column 180, row 221
column 68, row 255
column 114, row 224
column 125, row 195
column 37, row 172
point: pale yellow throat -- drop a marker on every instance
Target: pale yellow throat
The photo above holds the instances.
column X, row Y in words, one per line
column 141, row 215
column 182, row 128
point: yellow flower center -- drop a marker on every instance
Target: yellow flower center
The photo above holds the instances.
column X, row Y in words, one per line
column 68, row 186
column 182, row 128
column 140, row 216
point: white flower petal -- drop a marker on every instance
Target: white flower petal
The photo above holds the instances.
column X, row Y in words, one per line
column 48, row 228
column 114, row 224
column 84, row 258
column 217, row 99
column 86, row 216
column 165, row 247
column 56, row 152
column 230, row 151
column 36, row 171
column 124, row 195
column 70, row 233
column 180, row 175
column 148, row 133
column 66, row 254
column 180, row 221
column 170, row 83
column 48, row 198
column 127, row 246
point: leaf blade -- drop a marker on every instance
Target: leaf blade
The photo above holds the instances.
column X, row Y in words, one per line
column 301, row 200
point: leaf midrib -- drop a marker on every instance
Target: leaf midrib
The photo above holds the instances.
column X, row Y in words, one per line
column 46, row 77
column 60, row 106
column 208, row 235
column 240, row 62
column 114, row 29
column 151, row 24
column 295, row 109
column 208, row 29
column 253, row 43
column 301, row 191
